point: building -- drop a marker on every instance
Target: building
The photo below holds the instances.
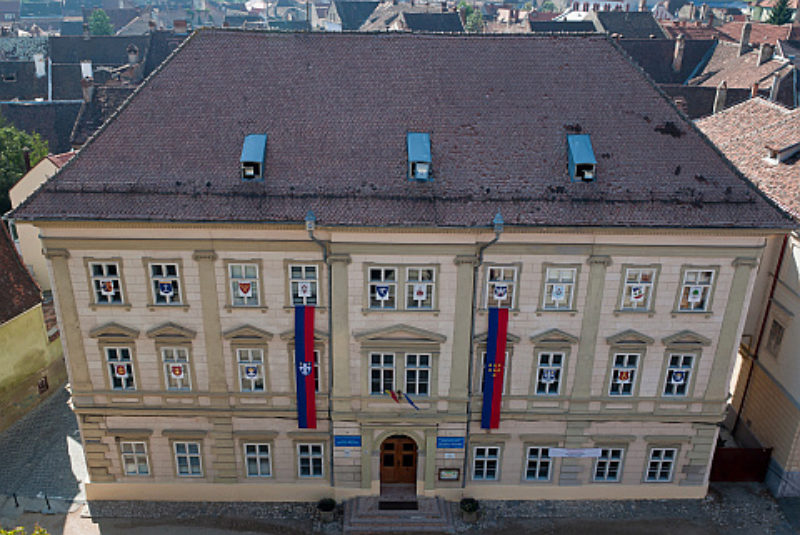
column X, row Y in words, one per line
column 187, row 260
column 763, row 139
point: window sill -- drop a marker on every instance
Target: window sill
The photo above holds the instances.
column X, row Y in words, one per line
column 623, row 311
column 484, row 311
column 231, row 308
column 153, row 307
column 289, row 308
column 366, row 311
column 98, row 306
column 570, row 311
column 708, row 313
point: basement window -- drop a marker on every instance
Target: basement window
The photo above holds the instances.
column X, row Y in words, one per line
column 419, row 156
column 254, row 151
column 582, row 162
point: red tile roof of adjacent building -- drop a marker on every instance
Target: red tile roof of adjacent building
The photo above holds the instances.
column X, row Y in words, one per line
column 337, row 108
column 744, row 131
column 760, row 32
column 18, row 291
column 791, row 4
column 693, row 31
column 59, row 160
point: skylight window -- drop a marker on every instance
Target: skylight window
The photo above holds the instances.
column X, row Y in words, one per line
column 419, row 156
column 582, row 163
column 254, row 151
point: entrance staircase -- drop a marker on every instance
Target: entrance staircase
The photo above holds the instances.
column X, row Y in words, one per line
column 363, row 515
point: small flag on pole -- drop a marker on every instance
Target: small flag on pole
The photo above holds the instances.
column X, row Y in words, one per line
column 409, row 401
column 394, row 395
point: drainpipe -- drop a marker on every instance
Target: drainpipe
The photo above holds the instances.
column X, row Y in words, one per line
column 754, row 356
column 49, row 79
column 311, row 221
column 497, row 222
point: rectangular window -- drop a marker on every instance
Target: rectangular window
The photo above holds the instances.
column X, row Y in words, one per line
column 420, row 284
column 609, row 465
column 558, row 288
column 303, row 284
column 483, row 374
column 538, row 464
column 134, row 458
column 257, row 459
column 775, row 338
column 659, row 467
column 485, row 463
column 623, row 374
column 165, row 284
column 501, row 287
column 548, row 375
column 251, row 369
column 381, row 372
column 309, row 460
column 418, row 375
column 176, row 368
column 244, row 284
column 696, row 289
column 382, row 288
column 638, row 289
column 106, row 283
column 679, row 371
column 187, row 459
column 120, row 368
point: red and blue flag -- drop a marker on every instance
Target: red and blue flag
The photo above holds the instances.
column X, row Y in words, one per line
column 304, row 366
column 494, row 368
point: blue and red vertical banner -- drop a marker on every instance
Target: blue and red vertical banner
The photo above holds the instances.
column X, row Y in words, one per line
column 494, row 368
column 304, row 366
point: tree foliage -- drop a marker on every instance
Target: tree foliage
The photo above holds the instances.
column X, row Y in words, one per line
column 21, row 531
column 474, row 23
column 12, row 159
column 100, row 24
column 548, row 7
column 780, row 14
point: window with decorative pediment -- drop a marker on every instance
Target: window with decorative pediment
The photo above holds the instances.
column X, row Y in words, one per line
column 174, row 345
column 627, row 352
column 683, row 351
column 552, row 349
column 249, row 350
column 117, row 345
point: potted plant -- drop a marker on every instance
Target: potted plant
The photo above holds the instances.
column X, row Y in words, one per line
column 469, row 509
column 326, row 508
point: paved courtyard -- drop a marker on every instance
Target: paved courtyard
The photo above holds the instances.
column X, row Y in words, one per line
column 41, row 456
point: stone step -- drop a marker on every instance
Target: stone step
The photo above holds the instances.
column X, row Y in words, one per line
column 362, row 516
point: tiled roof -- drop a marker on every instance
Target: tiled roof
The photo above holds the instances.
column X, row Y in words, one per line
column 628, row 24
column 60, row 160
column 739, row 71
column 353, row 14
column 433, row 22
column 655, row 57
column 742, row 133
column 107, row 99
column 18, row 291
column 760, row 32
column 584, row 26
column 692, row 31
column 696, row 101
column 52, row 120
column 22, row 48
column 337, row 108
column 101, row 50
column 791, row 4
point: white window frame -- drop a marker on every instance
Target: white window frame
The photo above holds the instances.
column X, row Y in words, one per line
column 114, row 357
column 390, row 303
column 189, row 456
column 549, row 360
column 658, row 459
column 259, row 454
column 554, row 276
column 505, row 372
column 538, row 458
column 103, row 274
column 134, row 453
column 692, row 279
column 380, row 370
column 608, row 467
column 678, row 362
column 415, row 369
column 246, row 357
column 311, row 452
column 624, row 362
column 165, row 276
column 413, row 304
column 485, row 460
column 180, row 357
column 245, row 277
column 641, row 277
column 505, row 275
column 294, row 294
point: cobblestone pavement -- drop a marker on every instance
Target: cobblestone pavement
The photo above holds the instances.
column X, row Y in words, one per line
column 41, row 454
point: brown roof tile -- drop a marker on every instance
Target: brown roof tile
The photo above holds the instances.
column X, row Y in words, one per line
column 337, row 108
column 18, row 291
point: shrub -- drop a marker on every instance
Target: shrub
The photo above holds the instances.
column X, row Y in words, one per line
column 469, row 505
column 326, row 504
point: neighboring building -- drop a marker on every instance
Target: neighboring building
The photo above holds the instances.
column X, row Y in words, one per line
column 759, row 32
column 179, row 257
column 26, row 237
column 763, row 140
column 762, row 10
column 31, row 359
column 346, row 15
column 628, row 25
column 397, row 17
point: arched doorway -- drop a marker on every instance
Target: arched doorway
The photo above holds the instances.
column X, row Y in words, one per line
column 398, row 467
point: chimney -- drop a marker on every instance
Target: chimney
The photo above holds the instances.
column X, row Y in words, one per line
column 180, row 26
column 87, row 87
column 773, row 91
column 462, row 14
column 744, row 40
column 710, row 18
column 642, row 5
column 133, row 54
column 703, row 11
column 26, row 156
column 692, row 11
column 677, row 55
column 152, row 26
column 86, row 68
column 754, row 90
column 86, row 30
column 719, row 99
column 764, row 53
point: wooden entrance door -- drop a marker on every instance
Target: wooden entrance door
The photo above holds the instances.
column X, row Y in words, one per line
column 398, row 460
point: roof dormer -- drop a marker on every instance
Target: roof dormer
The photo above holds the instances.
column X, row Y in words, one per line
column 254, row 152
column 582, row 162
column 419, row 156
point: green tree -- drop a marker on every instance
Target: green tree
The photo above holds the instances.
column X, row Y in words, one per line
column 21, row 531
column 781, row 14
column 528, row 6
column 466, row 7
column 474, row 22
column 548, row 6
column 12, row 159
column 100, row 24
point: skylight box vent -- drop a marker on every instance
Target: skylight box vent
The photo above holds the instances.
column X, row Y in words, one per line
column 778, row 153
column 419, row 156
column 582, row 163
column 254, row 152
